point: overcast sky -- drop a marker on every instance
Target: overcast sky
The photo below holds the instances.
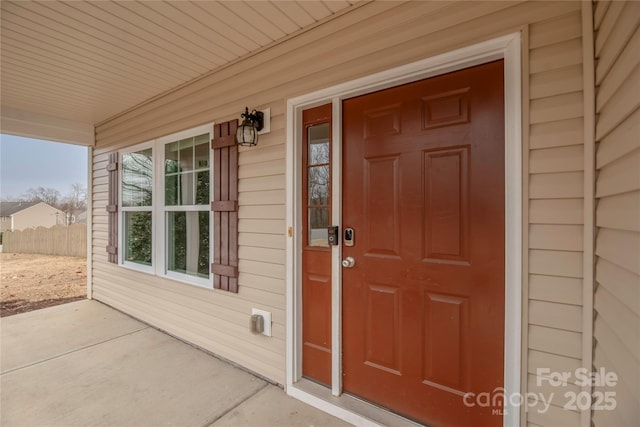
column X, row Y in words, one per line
column 30, row 163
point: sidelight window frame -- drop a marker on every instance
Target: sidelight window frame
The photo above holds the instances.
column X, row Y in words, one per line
column 307, row 167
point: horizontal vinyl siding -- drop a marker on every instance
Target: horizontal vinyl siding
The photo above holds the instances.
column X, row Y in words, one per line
column 375, row 37
column 556, row 211
column 617, row 294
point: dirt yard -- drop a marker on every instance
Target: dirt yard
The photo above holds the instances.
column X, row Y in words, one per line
column 32, row 281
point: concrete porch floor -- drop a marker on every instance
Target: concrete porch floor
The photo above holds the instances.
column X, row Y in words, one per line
column 85, row 364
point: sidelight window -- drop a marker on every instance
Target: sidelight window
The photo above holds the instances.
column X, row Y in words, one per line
column 318, row 183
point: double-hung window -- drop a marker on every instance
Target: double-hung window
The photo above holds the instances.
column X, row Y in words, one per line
column 186, row 206
column 165, row 199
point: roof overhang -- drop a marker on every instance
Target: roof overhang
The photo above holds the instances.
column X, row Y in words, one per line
column 67, row 66
column 41, row 126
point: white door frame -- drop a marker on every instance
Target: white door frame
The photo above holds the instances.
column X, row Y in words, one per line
column 506, row 47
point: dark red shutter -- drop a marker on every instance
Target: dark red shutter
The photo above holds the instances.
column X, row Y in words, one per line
column 112, row 209
column 225, row 207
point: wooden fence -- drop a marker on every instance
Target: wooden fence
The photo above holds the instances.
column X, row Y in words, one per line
column 57, row 240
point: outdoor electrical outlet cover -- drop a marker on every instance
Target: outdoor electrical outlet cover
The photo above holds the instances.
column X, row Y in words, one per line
column 266, row 315
column 257, row 324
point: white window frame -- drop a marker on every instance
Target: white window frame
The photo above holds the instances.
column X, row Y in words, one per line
column 159, row 232
column 122, row 210
column 160, row 225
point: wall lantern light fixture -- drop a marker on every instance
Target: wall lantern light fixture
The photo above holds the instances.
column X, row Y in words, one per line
column 247, row 132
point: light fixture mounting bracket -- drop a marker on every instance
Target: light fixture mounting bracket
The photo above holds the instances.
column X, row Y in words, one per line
column 256, row 117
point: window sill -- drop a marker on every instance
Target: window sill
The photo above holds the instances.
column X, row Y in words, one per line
column 188, row 280
column 175, row 277
column 148, row 269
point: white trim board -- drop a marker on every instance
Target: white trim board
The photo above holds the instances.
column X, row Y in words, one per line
column 506, row 47
column 89, row 199
column 589, row 229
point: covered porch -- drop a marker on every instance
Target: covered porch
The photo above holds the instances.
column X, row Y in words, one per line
column 133, row 79
column 86, row 364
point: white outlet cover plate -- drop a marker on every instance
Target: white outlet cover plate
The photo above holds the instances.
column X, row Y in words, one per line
column 266, row 315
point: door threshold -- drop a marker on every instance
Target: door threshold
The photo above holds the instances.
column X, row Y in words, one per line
column 347, row 408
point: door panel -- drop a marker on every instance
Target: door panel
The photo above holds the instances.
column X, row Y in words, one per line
column 446, row 321
column 382, row 206
column 446, row 204
column 423, row 188
column 382, row 328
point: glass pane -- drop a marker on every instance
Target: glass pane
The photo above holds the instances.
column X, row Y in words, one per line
column 318, row 180
column 186, row 154
column 137, row 237
column 172, row 190
column 318, row 223
column 204, row 264
column 202, row 188
column 186, row 188
column 176, row 241
column 319, row 144
column 183, row 186
column 188, row 243
column 137, row 178
column 171, row 162
column 202, row 151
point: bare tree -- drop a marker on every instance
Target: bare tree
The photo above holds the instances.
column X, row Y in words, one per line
column 10, row 199
column 71, row 204
column 50, row 196
column 75, row 201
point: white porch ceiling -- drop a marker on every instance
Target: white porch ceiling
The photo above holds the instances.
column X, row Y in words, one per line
column 85, row 62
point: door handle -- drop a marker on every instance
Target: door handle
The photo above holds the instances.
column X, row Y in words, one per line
column 348, row 262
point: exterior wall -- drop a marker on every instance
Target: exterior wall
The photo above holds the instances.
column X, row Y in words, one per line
column 40, row 215
column 5, row 223
column 555, row 211
column 372, row 38
column 617, row 295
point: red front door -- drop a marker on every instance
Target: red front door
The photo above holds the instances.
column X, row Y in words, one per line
column 423, row 189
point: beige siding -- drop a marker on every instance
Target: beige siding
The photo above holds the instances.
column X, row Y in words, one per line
column 556, row 210
column 40, row 215
column 617, row 294
column 375, row 37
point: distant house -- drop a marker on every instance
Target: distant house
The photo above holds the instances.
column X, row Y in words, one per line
column 79, row 218
column 21, row 215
